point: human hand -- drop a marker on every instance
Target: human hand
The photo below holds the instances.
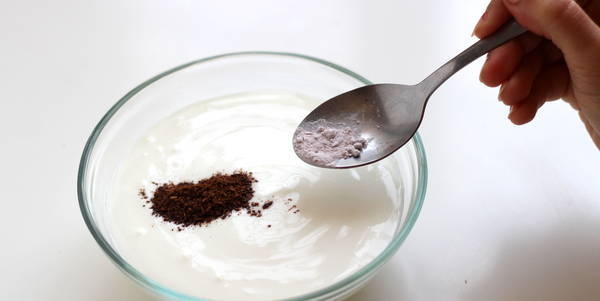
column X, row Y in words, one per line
column 558, row 58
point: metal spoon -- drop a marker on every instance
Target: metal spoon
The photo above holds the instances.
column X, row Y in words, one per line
column 388, row 115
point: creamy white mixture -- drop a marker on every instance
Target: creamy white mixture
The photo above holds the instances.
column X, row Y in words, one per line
column 345, row 218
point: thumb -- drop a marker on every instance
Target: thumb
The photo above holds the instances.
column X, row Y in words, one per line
column 562, row 21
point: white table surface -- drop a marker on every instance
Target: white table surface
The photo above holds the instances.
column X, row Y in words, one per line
column 511, row 213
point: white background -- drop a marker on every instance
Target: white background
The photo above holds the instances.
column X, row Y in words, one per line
column 511, row 213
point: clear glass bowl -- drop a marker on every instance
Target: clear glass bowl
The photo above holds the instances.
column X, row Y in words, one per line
column 212, row 77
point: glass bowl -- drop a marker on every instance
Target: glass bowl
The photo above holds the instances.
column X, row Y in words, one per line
column 212, row 77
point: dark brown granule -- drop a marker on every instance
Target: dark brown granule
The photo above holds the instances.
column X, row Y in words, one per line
column 254, row 212
column 199, row 203
column 268, row 226
column 267, row 204
column 143, row 194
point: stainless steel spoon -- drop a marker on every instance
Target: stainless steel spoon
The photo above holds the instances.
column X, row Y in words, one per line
column 388, row 115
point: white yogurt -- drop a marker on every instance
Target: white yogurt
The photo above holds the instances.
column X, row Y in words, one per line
column 345, row 219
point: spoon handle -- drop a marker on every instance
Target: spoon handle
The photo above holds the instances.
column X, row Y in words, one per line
column 507, row 32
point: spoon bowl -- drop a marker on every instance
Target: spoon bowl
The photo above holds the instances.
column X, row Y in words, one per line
column 386, row 125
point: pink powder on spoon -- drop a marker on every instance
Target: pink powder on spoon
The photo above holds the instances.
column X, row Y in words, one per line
column 326, row 143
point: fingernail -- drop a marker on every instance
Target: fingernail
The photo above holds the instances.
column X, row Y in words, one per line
column 510, row 112
column 500, row 93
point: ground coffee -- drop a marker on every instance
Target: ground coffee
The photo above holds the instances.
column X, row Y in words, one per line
column 199, row 203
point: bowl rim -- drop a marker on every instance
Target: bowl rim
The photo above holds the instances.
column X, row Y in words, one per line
column 137, row 276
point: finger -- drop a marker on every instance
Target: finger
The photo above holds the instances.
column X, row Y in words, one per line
column 524, row 111
column 562, row 21
column 529, row 41
column 550, row 52
column 551, row 84
column 494, row 16
column 518, row 86
column 502, row 61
